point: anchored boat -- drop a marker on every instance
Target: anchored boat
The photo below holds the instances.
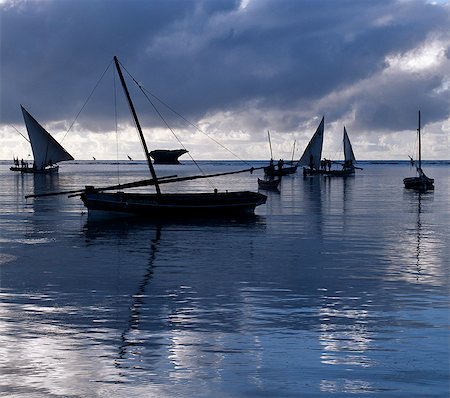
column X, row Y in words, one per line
column 421, row 182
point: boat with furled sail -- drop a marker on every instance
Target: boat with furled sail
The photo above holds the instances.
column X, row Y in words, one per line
column 46, row 150
column 421, row 182
column 280, row 169
column 159, row 204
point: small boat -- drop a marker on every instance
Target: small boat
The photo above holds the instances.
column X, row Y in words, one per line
column 167, row 204
column 269, row 184
column 46, row 150
column 421, row 182
column 167, row 156
column 282, row 168
column 311, row 158
column 348, row 167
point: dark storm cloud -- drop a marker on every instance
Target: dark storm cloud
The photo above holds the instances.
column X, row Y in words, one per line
column 208, row 56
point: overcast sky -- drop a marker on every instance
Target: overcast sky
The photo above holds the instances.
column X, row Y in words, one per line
column 234, row 68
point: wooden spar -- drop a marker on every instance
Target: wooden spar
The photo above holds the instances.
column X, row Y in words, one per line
column 138, row 126
column 420, row 149
column 270, row 145
column 77, row 192
column 293, row 150
column 167, row 181
column 161, row 180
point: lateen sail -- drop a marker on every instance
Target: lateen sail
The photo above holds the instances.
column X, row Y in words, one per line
column 313, row 152
column 348, row 150
column 46, row 150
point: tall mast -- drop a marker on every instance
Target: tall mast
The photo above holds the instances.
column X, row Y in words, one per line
column 138, row 126
column 270, row 145
column 420, row 148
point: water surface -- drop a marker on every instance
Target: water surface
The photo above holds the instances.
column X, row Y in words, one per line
column 337, row 287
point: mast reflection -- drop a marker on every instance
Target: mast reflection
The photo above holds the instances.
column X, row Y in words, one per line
column 138, row 302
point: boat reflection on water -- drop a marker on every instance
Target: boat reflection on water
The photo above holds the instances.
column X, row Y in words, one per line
column 172, row 304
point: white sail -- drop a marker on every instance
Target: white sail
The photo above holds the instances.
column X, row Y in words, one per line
column 348, row 150
column 46, row 150
column 313, row 152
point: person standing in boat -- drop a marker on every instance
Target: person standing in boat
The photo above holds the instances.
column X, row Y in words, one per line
column 280, row 165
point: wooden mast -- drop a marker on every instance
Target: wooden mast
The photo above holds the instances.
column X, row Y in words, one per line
column 420, row 148
column 138, row 126
column 270, row 145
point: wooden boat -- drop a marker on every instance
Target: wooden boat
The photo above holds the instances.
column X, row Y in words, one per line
column 269, row 184
column 313, row 152
column 281, row 168
column 167, row 156
column 164, row 204
column 311, row 157
column 421, row 182
column 348, row 167
column 46, row 150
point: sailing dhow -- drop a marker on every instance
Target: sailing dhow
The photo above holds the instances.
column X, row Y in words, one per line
column 46, row 150
column 313, row 163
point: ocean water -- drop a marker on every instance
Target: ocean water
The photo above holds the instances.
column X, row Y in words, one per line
column 337, row 287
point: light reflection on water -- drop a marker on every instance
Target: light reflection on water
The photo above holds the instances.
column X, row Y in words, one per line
column 337, row 286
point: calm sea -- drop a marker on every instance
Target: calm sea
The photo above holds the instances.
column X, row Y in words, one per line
column 337, row 287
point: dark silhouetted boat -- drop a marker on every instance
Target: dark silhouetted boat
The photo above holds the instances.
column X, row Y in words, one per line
column 421, row 182
column 46, row 150
column 280, row 169
column 348, row 167
column 167, row 156
column 311, row 157
column 167, row 204
column 270, row 184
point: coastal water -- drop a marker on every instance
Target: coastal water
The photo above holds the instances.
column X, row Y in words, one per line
column 337, row 287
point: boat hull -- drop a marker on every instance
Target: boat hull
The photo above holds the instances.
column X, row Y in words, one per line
column 269, row 185
column 329, row 173
column 422, row 183
column 31, row 170
column 176, row 205
column 163, row 156
column 275, row 172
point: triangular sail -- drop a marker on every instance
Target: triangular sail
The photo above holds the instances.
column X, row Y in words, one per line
column 348, row 150
column 313, row 152
column 46, row 150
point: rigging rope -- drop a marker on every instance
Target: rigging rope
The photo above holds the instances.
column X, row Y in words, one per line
column 87, row 100
column 144, row 90
column 117, row 132
column 166, row 123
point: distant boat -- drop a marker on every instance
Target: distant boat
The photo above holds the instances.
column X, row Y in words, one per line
column 421, row 182
column 270, row 184
column 46, row 150
column 311, row 158
column 167, row 205
column 282, row 168
column 313, row 153
column 348, row 167
column 167, row 156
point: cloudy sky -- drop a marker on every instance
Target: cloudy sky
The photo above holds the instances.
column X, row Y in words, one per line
column 236, row 69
